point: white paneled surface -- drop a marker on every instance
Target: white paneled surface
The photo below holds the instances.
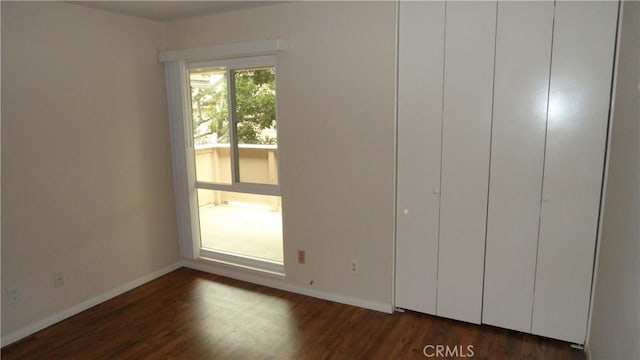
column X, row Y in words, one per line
column 499, row 177
column 421, row 38
column 583, row 45
column 517, row 159
column 468, row 81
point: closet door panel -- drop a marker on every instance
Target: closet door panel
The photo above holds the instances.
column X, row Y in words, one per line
column 421, row 51
column 468, row 80
column 581, row 70
column 517, row 156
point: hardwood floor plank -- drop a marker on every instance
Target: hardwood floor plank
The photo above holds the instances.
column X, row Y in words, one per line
column 189, row 314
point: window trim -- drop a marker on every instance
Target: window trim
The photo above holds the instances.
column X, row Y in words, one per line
column 236, row 50
column 244, row 261
column 230, row 66
column 236, row 63
column 181, row 136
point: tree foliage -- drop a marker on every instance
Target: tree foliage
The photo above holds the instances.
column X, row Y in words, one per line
column 255, row 107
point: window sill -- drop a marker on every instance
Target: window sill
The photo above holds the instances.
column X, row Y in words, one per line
column 253, row 265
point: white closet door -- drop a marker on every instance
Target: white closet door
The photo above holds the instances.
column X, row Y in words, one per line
column 517, row 155
column 421, row 51
column 468, row 81
column 582, row 62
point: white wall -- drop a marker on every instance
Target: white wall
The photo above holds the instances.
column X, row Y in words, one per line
column 86, row 170
column 615, row 327
column 336, row 134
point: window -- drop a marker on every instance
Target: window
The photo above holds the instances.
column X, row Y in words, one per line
column 235, row 145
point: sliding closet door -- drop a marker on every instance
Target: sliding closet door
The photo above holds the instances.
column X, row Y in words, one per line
column 468, row 82
column 517, row 159
column 581, row 69
column 421, row 45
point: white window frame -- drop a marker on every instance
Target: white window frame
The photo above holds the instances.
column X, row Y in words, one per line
column 177, row 63
column 231, row 65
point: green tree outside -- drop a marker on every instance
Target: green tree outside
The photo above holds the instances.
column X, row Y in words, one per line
column 255, row 96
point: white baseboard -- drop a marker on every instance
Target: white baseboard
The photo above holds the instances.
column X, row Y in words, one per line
column 61, row 315
column 278, row 283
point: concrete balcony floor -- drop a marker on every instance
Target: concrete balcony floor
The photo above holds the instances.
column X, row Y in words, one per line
column 242, row 230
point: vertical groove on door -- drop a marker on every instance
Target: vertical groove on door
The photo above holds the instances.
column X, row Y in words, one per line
column 468, row 92
column 517, row 156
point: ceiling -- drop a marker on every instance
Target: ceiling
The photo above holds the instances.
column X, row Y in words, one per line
column 172, row 10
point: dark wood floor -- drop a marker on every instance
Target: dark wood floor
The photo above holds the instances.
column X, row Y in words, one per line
column 189, row 314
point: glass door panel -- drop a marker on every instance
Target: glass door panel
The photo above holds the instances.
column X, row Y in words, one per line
column 255, row 113
column 241, row 224
column 210, row 124
column 233, row 120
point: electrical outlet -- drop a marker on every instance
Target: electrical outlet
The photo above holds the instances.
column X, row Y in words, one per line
column 354, row 266
column 58, row 280
column 13, row 295
column 301, row 257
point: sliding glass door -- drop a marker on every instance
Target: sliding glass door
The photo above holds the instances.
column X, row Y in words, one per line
column 235, row 146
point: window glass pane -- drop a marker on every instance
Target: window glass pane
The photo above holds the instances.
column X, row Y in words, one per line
column 210, row 116
column 255, row 100
column 241, row 224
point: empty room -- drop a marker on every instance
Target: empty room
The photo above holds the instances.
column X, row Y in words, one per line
column 320, row 179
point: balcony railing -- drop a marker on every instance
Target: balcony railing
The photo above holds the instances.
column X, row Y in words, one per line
column 258, row 163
